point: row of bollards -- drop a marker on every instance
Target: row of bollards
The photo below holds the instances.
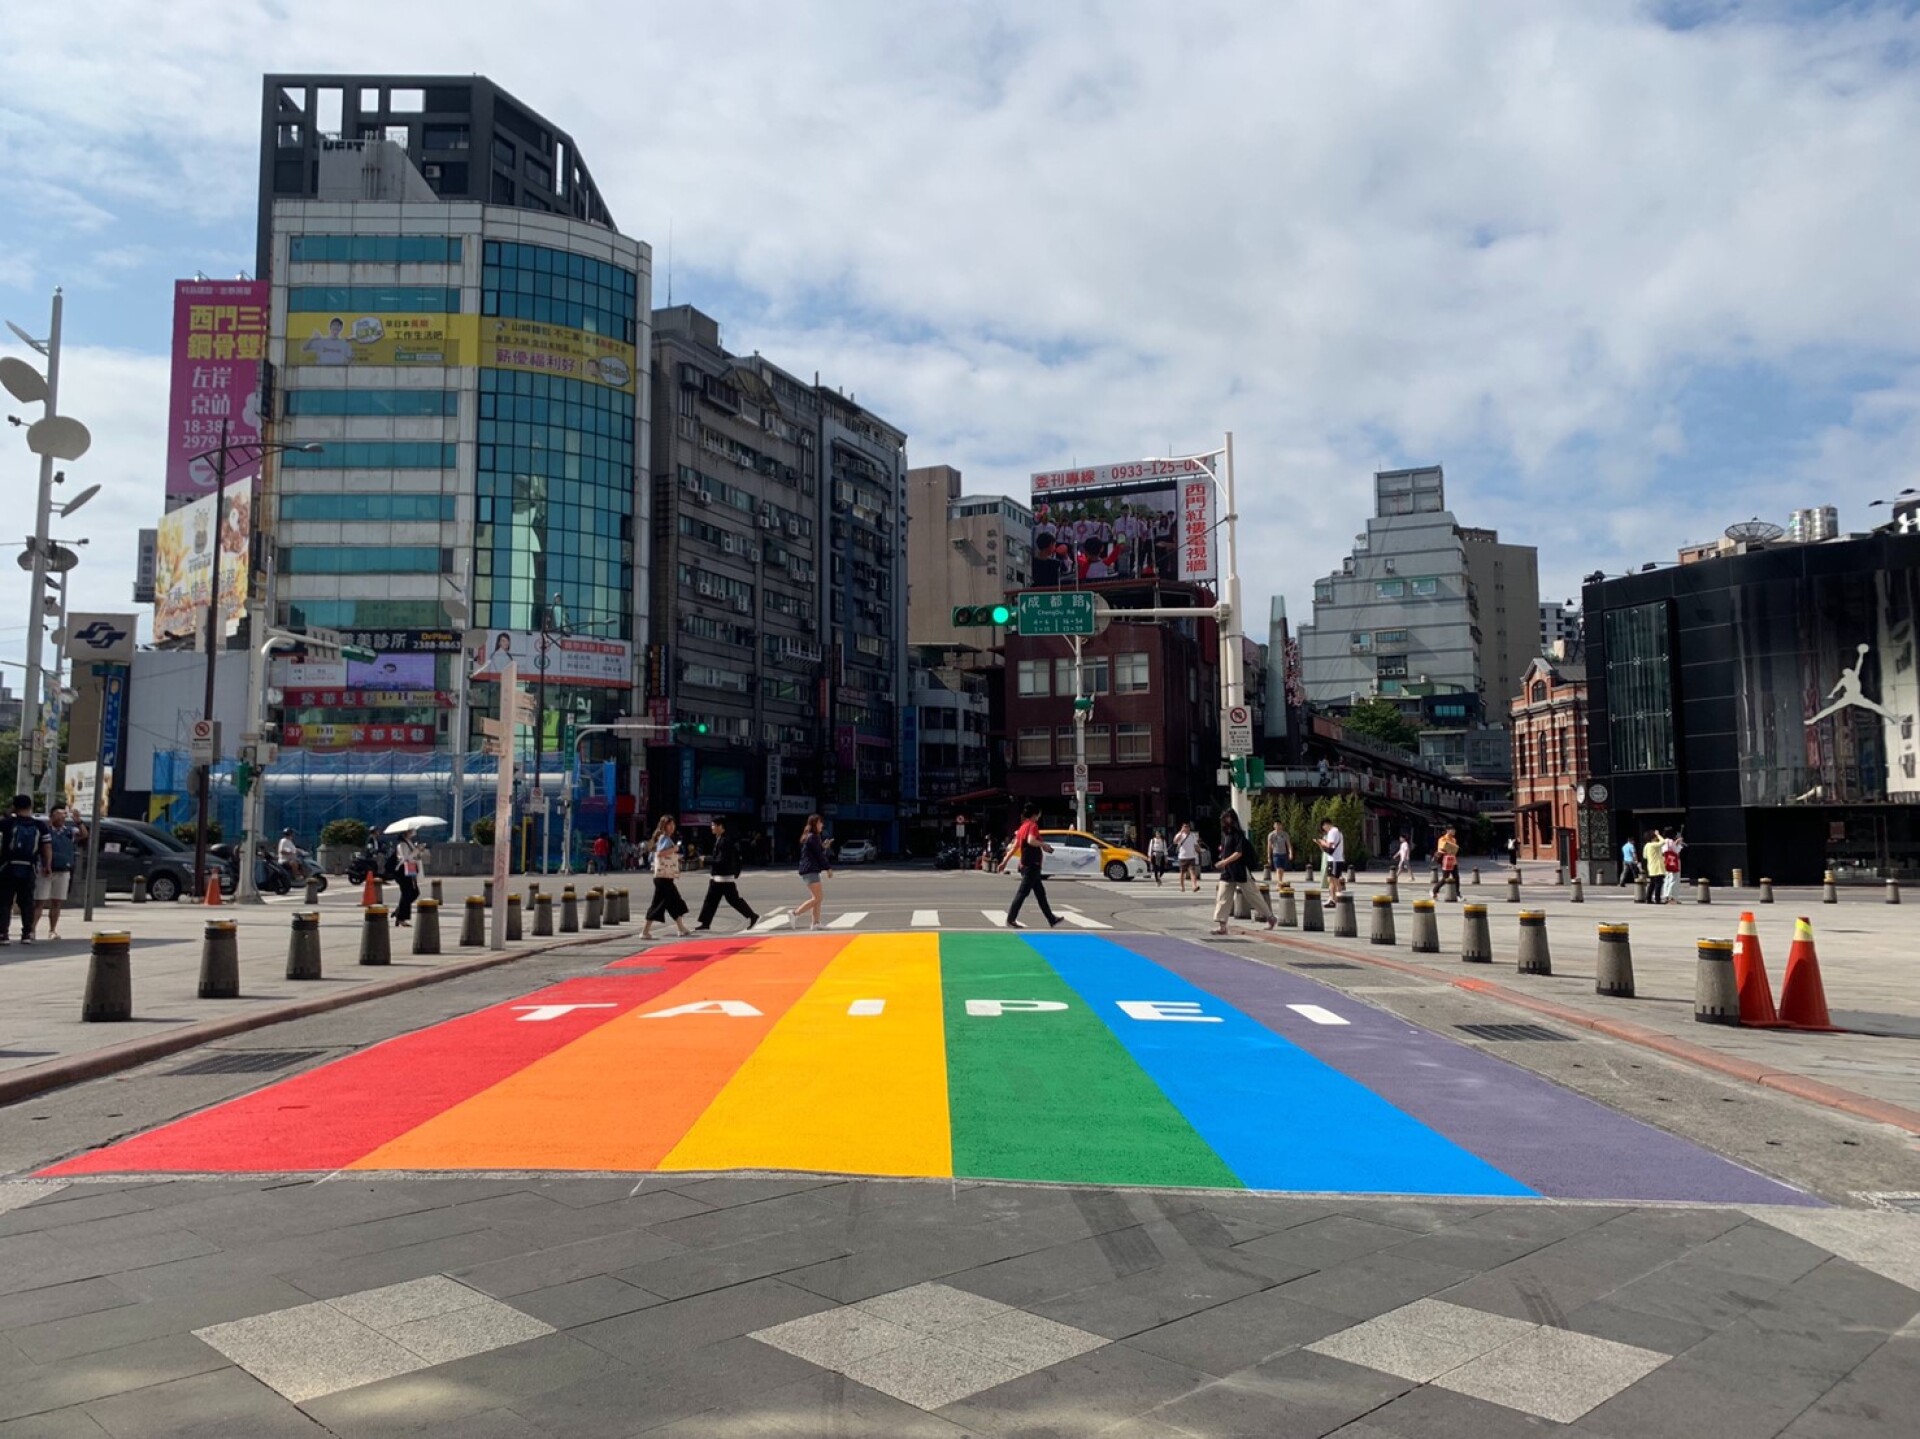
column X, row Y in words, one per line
column 108, row 996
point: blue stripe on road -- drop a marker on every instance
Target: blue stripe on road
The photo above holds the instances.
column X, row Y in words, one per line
column 1277, row 1116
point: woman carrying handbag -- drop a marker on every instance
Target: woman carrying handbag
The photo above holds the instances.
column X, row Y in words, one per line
column 815, row 860
column 666, row 880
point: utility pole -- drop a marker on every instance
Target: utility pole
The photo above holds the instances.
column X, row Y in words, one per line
column 43, row 514
column 1233, row 656
column 1081, row 708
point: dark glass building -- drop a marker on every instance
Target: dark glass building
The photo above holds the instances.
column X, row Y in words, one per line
column 1765, row 701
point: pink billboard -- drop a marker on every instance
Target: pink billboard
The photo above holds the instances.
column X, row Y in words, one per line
column 219, row 340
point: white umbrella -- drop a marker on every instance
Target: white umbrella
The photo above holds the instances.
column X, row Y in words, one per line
column 413, row 822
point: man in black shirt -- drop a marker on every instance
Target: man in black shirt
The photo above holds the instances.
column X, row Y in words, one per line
column 1236, row 876
column 723, row 879
column 26, row 853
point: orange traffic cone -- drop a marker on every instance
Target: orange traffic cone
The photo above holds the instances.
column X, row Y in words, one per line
column 1803, row 999
column 1750, row 977
column 370, row 891
column 213, row 889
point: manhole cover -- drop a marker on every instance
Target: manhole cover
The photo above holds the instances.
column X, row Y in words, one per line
column 248, row 1061
column 1321, row 964
column 1510, row 1032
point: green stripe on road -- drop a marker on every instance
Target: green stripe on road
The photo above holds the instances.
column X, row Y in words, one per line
column 1052, row 1095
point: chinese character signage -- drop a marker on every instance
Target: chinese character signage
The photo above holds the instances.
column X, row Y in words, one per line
column 563, row 659
column 437, row 339
column 1149, row 519
column 219, row 340
column 183, row 573
column 358, row 736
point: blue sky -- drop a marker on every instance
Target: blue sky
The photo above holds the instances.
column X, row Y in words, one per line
column 1631, row 272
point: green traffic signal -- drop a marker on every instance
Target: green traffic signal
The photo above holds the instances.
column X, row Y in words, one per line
column 973, row 616
column 690, row 727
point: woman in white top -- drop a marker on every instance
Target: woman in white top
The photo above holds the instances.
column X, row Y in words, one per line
column 412, row 855
column 1157, row 855
column 666, row 879
column 1186, row 848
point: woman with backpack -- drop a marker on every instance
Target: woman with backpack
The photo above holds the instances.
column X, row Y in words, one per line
column 666, row 880
column 815, row 860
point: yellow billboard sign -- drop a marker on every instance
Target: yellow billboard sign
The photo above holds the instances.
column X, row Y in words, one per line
column 491, row 340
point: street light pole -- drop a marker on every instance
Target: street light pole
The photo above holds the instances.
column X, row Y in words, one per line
column 43, row 514
column 213, row 654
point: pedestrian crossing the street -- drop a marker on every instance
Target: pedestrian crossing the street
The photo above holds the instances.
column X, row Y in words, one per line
column 873, row 920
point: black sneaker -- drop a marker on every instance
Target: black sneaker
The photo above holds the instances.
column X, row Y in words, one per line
column 26, row 939
column 1053, row 921
column 752, row 920
column 1015, row 924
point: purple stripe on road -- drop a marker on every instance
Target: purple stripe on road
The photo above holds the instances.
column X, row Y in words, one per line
column 1547, row 1137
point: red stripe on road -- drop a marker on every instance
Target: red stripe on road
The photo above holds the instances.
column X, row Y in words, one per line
column 327, row 1118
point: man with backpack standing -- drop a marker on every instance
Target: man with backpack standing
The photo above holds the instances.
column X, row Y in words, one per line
column 26, row 853
column 1236, row 876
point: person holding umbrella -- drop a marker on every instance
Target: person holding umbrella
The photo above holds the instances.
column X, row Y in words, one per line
column 410, row 862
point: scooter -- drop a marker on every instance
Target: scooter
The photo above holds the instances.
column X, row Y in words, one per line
column 269, row 875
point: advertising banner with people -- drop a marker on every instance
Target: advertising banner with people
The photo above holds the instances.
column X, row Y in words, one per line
column 219, row 340
column 494, row 341
column 1146, row 519
column 563, row 659
column 183, row 573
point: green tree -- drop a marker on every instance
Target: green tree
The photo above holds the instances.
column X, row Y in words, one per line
column 9, row 761
column 1381, row 720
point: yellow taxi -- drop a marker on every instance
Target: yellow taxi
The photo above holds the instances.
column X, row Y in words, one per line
column 1077, row 854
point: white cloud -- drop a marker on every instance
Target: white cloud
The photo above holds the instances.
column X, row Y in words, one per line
column 1409, row 231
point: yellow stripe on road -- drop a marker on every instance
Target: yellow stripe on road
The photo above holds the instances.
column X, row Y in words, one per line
column 837, row 1086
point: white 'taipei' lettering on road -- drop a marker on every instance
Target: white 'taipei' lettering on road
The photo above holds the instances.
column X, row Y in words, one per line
column 736, row 1008
column 537, row 1012
column 1184, row 1010
column 990, row 1008
column 867, row 1006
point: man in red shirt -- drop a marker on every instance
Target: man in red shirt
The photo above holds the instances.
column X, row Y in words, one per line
column 1030, row 848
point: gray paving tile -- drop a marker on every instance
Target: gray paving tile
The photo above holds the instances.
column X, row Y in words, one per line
column 726, row 1190
column 702, row 1319
column 1553, row 1373
column 1759, row 1251
column 61, row 1339
column 539, row 1266
column 1101, row 1388
column 109, row 1371
column 61, row 1301
column 226, row 1404
column 793, row 1210
column 1322, row 1243
column 1887, row 1243
column 1023, row 1341
column 820, row 1404
column 381, row 1309
column 452, row 1254
column 309, row 1351
column 60, row 1205
column 927, row 1373
column 1847, row 1292
column 1150, row 1298
column 1421, row 1341
column 698, row 1270
column 463, row 1332
column 1297, row 1394
column 1230, row 1337
column 72, row 1423
column 932, row 1308
column 1606, row 1320
column 1695, row 1292
column 1549, row 1222
column 674, row 1385
column 583, row 1301
column 19, row 1193
column 29, row 1261
column 834, row 1336
column 490, row 1424
column 1878, row 1400
column 1430, row 1412
column 1373, row 1284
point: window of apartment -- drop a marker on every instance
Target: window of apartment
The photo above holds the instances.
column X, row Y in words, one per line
column 1539, row 692
column 1323, row 592
column 1360, row 642
column 372, row 455
column 1033, row 677
column 1388, row 639
column 363, row 559
column 1565, row 767
column 1390, row 666
column 372, row 299
column 374, row 249
column 1520, row 756
column 443, row 137
column 372, row 402
column 1425, row 588
column 1033, row 747
column 1639, row 688
column 1063, row 745
column 362, row 506
column 1130, row 673
column 1099, row 744
column 1540, row 753
column 1094, row 670
column 1136, row 744
column 1390, row 589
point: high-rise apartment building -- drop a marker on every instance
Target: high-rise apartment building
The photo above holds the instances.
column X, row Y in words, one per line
column 1506, row 585
column 1560, row 626
column 963, row 550
column 475, row 374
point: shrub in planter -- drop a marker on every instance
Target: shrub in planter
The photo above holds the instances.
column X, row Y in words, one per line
column 189, row 834
column 483, row 831
column 349, row 833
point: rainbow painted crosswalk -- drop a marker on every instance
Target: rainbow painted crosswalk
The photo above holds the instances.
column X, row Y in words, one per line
column 1071, row 1058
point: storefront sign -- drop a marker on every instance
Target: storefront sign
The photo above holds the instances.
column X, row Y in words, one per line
column 353, row 736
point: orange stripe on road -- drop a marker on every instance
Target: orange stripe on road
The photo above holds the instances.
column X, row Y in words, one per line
column 622, row 1096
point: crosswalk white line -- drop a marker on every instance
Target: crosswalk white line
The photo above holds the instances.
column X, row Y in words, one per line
column 1080, row 921
column 847, row 920
column 995, row 918
column 926, row 919
column 1315, row 1013
column 779, row 921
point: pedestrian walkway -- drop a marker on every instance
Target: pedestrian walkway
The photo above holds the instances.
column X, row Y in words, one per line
column 946, row 920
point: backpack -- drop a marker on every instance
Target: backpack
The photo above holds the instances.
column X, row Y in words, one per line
column 23, row 841
column 390, row 863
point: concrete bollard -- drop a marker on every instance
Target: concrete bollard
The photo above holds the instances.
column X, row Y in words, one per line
column 616, row 906
column 1453, row 887
column 595, row 902
column 1345, row 924
column 1766, row 891
column 1426, row 927
column 1739, row 879
column 109, row 994
column 1579, row 895
column 1829, row 891
column 1513, row 889
column 542, row 915
column 486, row 893
column 375, row 947
column 220, row 960
column 1311, row 921
column 1640, row 889
column 437, row 896
column 1716, row 997
column 426, row 926
column 1893, row 891
column 1476, row 941
column 513, row 916
column 569, row 911
column 1534, row 956
column 1382, row 932
column 473, row 923
column 303, row 947
column 312, row 892
column 1613, row 965
column 139, row 889
column 1703, row 891
column 1241, row 909
column 533, row 891
column 1559, row 874
column 1288, row 911
column 1476, row 874
column 1393, row 889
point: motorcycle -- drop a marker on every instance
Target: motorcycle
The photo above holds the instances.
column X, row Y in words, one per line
column 269, row 875
column 371, row 860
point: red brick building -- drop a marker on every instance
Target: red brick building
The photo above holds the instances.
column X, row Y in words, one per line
column 1153, row 739
column 1549, row 759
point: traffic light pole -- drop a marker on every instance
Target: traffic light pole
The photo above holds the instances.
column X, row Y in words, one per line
column 503, row 797
column 1079, row 738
